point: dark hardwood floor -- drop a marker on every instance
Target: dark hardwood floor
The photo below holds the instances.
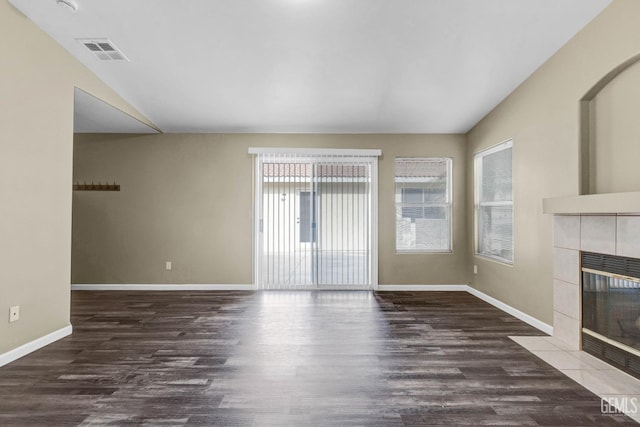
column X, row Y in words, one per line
column 291, row 358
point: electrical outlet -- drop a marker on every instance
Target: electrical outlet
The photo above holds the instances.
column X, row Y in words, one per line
column 168, row 265
column 14, row 313
column 475, row 269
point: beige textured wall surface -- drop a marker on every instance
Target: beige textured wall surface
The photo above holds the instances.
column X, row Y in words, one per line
column 616, row 134
column 37, row 79
column 542, row 118
column 187, row 198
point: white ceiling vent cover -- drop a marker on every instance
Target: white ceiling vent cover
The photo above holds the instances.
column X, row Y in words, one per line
column 103, row 49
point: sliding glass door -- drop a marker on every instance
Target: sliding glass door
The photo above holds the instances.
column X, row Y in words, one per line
column 315, row 215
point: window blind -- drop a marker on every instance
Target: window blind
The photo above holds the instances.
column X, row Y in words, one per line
column 494, row 202
column 315, row 219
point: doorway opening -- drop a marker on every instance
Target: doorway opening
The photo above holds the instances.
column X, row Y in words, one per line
column 315, row 219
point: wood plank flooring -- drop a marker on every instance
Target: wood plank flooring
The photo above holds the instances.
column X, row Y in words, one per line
column 291, row 358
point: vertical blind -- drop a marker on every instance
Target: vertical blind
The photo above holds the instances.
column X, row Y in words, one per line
column 494, row 202
column 423, row 204
column 315, row 221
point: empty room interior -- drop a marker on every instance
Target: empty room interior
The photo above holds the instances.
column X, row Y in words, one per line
column 320, row 212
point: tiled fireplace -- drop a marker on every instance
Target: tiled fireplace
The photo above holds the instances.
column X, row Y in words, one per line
column 597, row 252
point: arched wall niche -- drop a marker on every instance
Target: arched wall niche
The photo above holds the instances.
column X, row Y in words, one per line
column 610, row 132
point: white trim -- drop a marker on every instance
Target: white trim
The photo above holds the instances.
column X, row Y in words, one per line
column 158, row 287
column 297, row 179
column 373, row 225
column 315, row 151
column 477, row 204
column 447, row 205
column 258, row 220
column 34, row 345
column 424, row 251
column 538, row 324
column 507, row 143
column 449, row 288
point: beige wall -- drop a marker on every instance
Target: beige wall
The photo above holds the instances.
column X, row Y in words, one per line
column 37, row 79
column 187, row 198
column 173, row 192
column 542, row 118
column 615, row 130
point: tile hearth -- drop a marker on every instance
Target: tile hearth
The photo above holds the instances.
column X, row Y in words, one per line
column 593, row 374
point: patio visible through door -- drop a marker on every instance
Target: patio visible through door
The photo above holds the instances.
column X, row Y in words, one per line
column 314, row 219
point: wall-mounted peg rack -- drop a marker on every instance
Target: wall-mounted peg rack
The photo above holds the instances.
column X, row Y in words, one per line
column 96, row 187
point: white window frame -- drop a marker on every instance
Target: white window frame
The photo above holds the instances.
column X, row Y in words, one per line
column 477, row 162
column 447, row 204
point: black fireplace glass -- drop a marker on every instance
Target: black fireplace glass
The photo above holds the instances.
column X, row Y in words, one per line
column 611, row 308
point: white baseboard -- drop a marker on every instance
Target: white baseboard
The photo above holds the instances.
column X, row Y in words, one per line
column 34, row 345
column 157, row 287
column 544, row 327
column 449, row 288
column 538, row 324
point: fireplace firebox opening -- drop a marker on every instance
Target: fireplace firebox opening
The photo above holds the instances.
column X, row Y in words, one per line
column 611, row 310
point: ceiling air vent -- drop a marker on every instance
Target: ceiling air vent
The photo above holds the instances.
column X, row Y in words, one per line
column 103, row 49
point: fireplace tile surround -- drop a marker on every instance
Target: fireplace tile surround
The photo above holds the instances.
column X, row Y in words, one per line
column 602, row 223
column 615, row 234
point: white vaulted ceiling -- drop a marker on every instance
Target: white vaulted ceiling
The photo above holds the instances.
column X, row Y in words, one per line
column 343, row 66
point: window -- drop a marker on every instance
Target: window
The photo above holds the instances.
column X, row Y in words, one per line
column 494, row 203
column 423, row 204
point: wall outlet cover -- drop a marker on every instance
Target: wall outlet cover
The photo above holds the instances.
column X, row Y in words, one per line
column 14, row 313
